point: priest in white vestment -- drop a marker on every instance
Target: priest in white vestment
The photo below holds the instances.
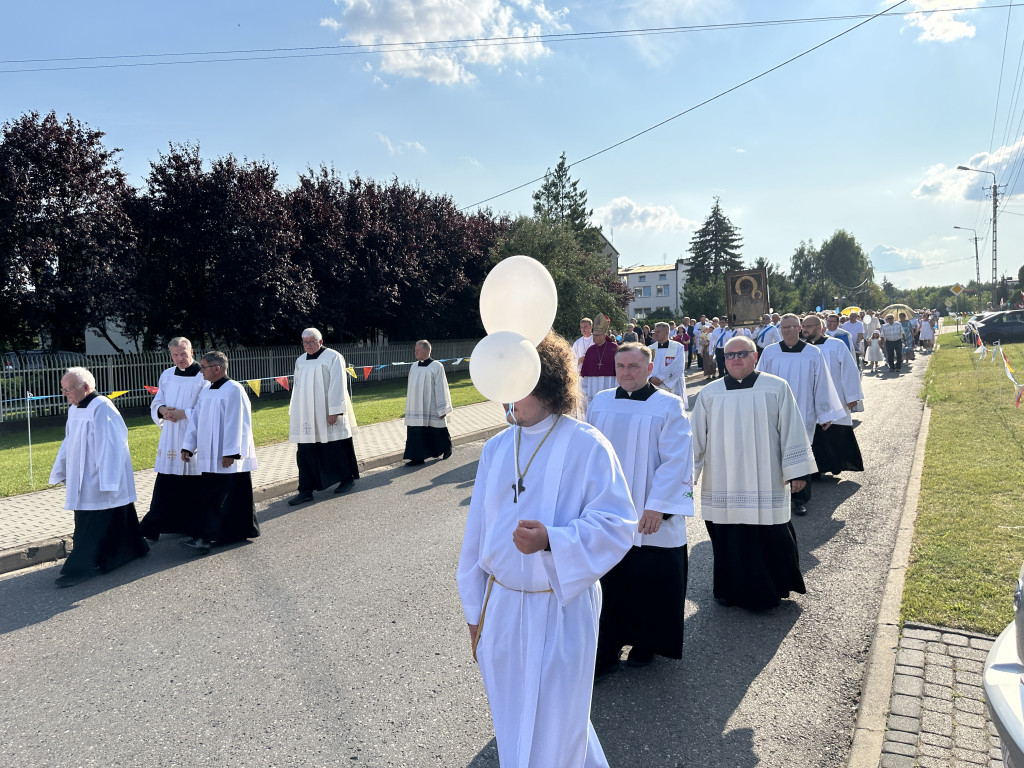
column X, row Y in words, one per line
column 582, row 344
column 95, row 465
column 219, row 441
column 550, row 514
column 669, row 360
column 803, row 367
column 176, row 489
column 651, row 435
column 321, row 420
column 428, row 403
column 751, row 452
column 598, row 371
column 836, row 449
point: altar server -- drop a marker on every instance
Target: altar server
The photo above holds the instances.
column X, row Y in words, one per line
column 803, row 367
column 598, row 370
column 321, row 420
column 669, row 361
column 427, row 406
column 651, row 435
column 177, row 484
column 582, row 344
column 836, row 449
column 96, row 466
column 749, row 441
column 219, row 441
column 550, row 514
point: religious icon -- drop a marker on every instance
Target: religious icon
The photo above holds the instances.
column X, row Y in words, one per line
column 746, row 297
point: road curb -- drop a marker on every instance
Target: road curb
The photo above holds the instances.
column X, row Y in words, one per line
column 876, row 688
column 53, row 550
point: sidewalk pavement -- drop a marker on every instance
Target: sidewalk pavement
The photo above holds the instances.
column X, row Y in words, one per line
column 35, row 527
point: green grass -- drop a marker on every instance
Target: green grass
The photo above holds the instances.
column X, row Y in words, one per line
column 969, row 540
column 372, row 404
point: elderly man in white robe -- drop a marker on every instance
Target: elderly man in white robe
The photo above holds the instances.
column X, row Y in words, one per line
column 95, row 465
column 749, row 443
column 836, row 449
column 219, row 441
column 651, row 435
column 803, row 367
column 321, row 421
column 177, row 484
column 598, row 370
column 550, row 514
column 428, row 402
column 669, row 361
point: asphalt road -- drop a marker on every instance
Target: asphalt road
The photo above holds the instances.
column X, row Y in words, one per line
column 336, row 639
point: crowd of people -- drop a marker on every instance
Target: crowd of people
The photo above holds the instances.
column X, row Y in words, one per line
column 206, row 453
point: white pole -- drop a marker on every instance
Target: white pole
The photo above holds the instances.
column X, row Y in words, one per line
column 28, row 420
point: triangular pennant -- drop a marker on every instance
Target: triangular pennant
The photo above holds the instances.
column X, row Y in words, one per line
column 115, row 395
column 254, row 384
column 367, row 370
column 283, row 381
column 351, row 371
column 401, row 363
column 152, row 390
column 377, row 368
column 457, row 360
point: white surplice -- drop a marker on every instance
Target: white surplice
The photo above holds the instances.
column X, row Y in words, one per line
column 175, row 392
column 579, row 349
column 653, row 442
column 537, row 648
column 593, row 384
column 747, row 443
column 809, row 379
column 319, row 390
column 93, row 460
column 427, row 399
column 221, row 425
column 845, row 373
column 670, row 367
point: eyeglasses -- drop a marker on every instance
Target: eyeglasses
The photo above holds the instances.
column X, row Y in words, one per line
column 205, row 367
column 742, row 355
column 66, row 391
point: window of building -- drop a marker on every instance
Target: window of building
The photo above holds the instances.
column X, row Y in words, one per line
column 638, row 293
column 647, row 290
column 639, row 313
column 642, row 279
column 663, row 276
column 661, row 290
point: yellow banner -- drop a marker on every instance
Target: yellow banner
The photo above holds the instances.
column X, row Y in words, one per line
column 254, row 385
column 351, row 371
column 114, row 395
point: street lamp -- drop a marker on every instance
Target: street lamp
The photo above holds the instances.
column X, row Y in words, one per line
column 977, row 264
column 995, row 206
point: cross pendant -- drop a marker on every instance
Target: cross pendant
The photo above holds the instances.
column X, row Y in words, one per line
column 599, row 364
column 516, row 490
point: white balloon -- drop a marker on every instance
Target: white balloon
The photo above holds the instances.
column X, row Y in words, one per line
column 520, row 296
column 504, row 367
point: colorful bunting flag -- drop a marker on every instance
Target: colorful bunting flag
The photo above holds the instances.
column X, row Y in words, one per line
column 151, row 390
column 283, row 381
column 115, row 395
column 458, row 360
column 254, row 384
column 367, row 370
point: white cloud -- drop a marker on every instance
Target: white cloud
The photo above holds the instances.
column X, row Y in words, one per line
column 383, row 22
column 658, row 50
column 623, row 213
column 946, row 183
column 399, row 147
column 943, row 27
column 889, row 258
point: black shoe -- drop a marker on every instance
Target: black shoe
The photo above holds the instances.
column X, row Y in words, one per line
column 800, row 509
column 302, row 498
column 724, row 603
column 639, row 658
column 447, row 454
column 415, row 463
column 152, row 539
column 346, row 486
column 70, row 581
column 197, row 546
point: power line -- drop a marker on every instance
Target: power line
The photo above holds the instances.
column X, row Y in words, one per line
column 695, row 106
column 121, row 61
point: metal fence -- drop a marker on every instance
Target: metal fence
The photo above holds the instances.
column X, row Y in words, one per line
column 34, row 382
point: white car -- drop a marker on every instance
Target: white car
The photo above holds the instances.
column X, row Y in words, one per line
column 1004, row 683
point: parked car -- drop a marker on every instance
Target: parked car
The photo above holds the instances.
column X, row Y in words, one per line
column 1004, row 683
column 1004, row 327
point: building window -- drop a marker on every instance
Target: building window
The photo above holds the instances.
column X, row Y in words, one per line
column 639, row 313
column 647, row 291
column 661, row 290
column 663, row 276
column 638, row 293
column 642, row 279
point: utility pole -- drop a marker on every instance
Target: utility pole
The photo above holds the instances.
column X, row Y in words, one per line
column 977, row 262
column 995, row 208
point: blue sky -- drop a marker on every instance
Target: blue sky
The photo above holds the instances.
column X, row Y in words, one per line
column 862, row 134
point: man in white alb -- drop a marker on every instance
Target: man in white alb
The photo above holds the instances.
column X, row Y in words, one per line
column 582, row 344
column 651, row 435
column 321, row 421
column 669, row 363
column 428, row 404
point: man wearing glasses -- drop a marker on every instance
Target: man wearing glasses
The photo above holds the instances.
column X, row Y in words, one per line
column 96, row 467
column 803, row 366
column 219, row 440
column 749, row 442
column 321, row 420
